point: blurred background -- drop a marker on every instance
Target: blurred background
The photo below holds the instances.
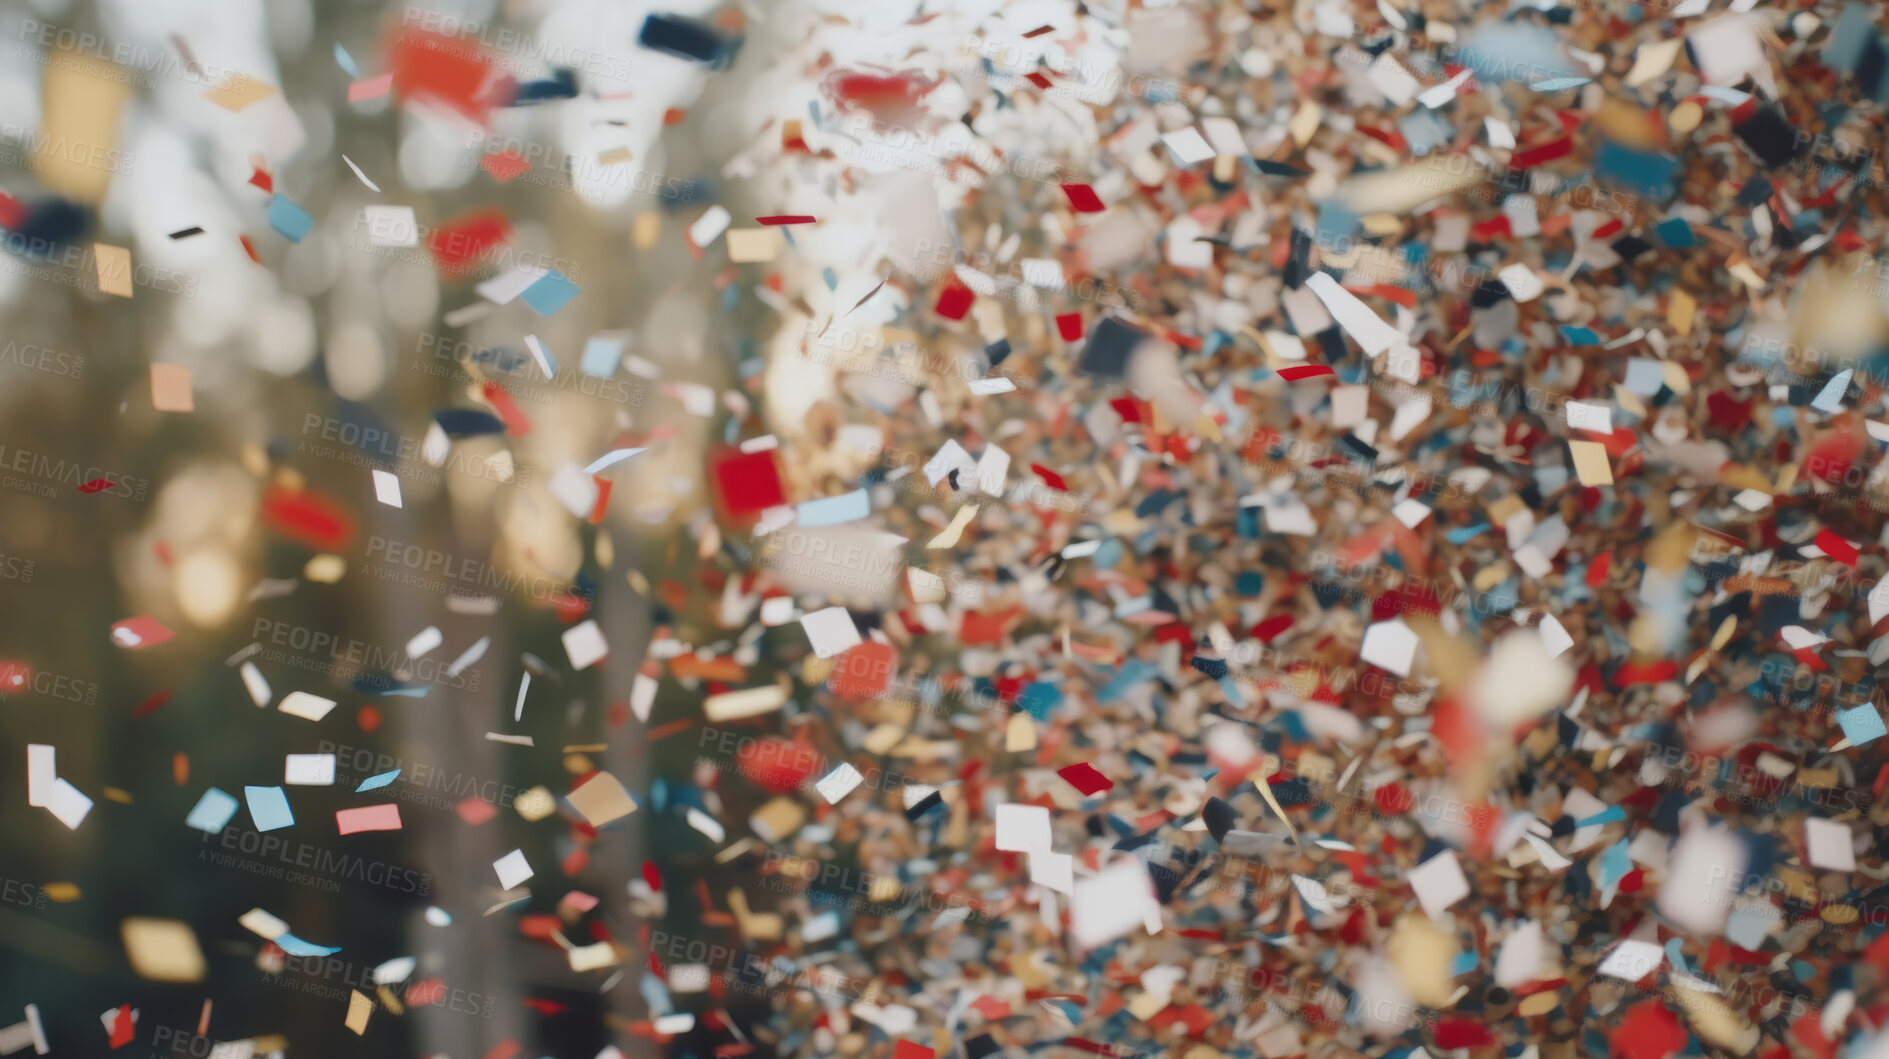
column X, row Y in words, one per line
column 265, row 343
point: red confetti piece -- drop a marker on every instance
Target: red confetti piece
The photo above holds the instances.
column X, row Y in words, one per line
column 787, row 218
column 1305, row 371
column 1085, row 778
column 262, row 180
column 122, row 1026
column 864, row 671
column 1083, row 198
column 1069, row 325
column 140, row 632
column 143, row 709
column 652, row 875
column 505, row 165
column 307, row 518
column 750, row 482
column 1541, row 154
column 903, row 1049
column 598, row 509
column 506, row 409
column 250, row 249
column 475, row 811
column 468, row 236
column 440, row 69
column 96, row 485
column 1050, row 478
column 954, row 301
column 425, row 992
column 1836, row 547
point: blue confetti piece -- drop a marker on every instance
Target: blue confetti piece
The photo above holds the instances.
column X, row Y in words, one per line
column 268, row 807
column 1614, row 865
column 213, row 811
column 1676, row 232
column 1560, row 84
column 833, row 510
column 346, row 62
column 1579, row 336
column 1465, row 963
column 1648, row 172
column 550, row 293
column 1465, row 534
column 1861, row 724
column 832, row 279
column 601, row 357
column 1611, row 814
column 374, row 783
column 1675, row 951
column 295, row 946
column 290, row 220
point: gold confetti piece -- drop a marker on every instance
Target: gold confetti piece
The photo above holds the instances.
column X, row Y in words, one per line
column 359, row 1008
column 602, row 799
column 390, row 1001
column 646, row 229
column 81, row 99
column 1680, row 310
column 62, row 892
column 122, row 797
column 162, row 950
column 949, row 538
column 616, row 156
column 1590, row 463
column 1422, row 953
column 1020, row 733
column 778, row 819
column 751, row 245
column 535, row 804
column 170, row 388
column 1538, row 1004
column 325, row 569
column 239, row 93
column 114, row 269
column 1305, row 122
